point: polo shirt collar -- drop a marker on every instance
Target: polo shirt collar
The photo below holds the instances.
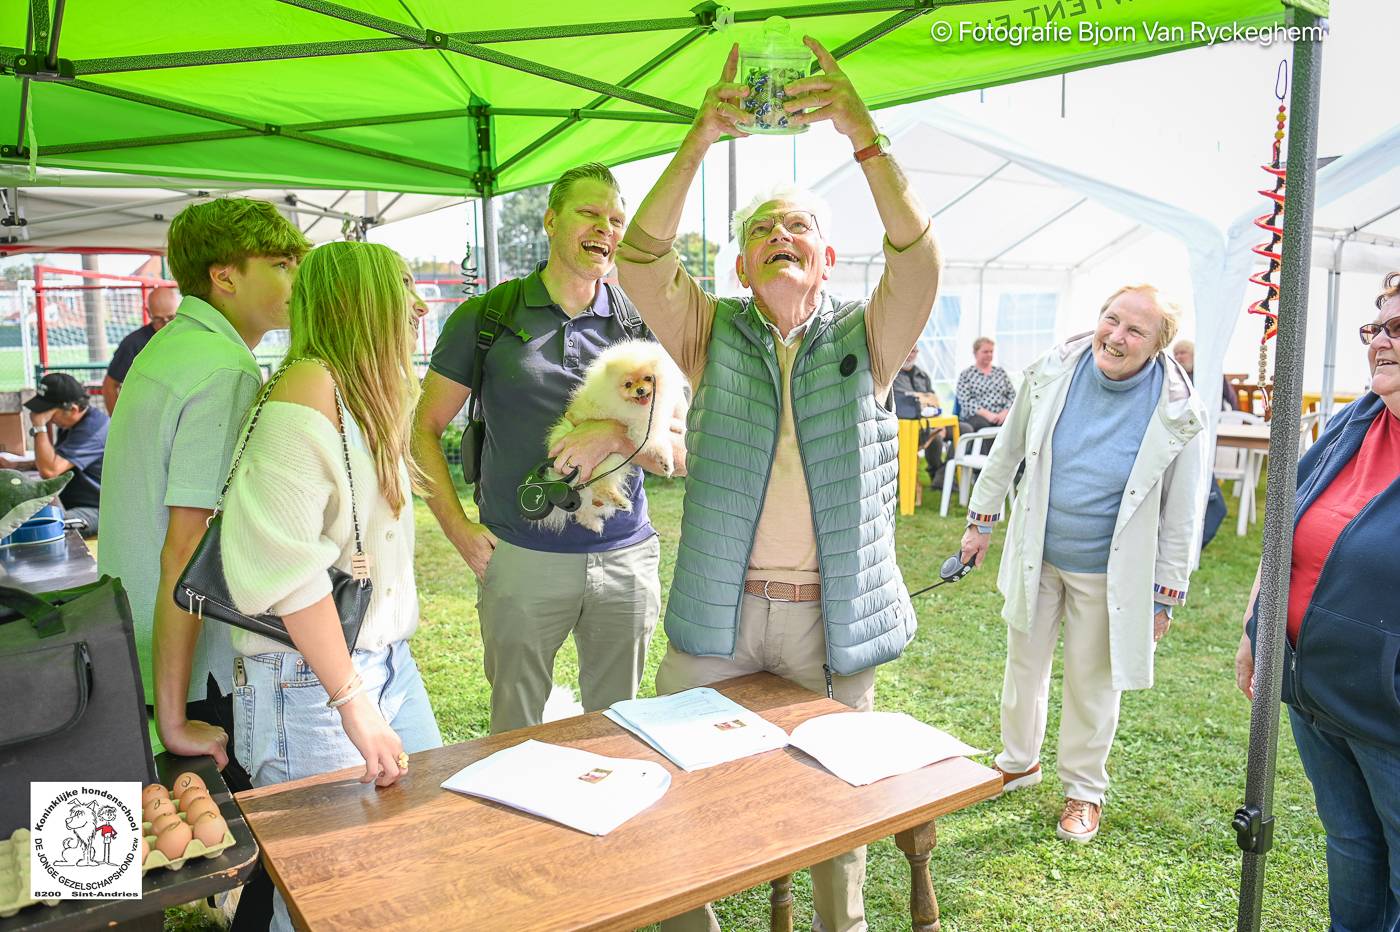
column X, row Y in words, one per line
column 201, row 312
column 537, row 295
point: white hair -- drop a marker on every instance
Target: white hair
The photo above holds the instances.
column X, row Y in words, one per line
column 782, row 191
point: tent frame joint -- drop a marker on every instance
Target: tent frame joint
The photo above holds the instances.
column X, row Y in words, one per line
column 707, row 14
column 1254, row 832
column 33, row 67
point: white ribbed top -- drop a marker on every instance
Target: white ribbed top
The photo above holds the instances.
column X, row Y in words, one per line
column 287, row 519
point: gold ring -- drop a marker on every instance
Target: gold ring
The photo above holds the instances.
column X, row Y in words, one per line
column 403, row 761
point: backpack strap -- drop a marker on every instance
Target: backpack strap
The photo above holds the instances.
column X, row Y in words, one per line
column 494, row 322
column 627, row 314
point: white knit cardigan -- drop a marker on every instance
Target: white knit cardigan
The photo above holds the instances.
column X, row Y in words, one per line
column 287, row 519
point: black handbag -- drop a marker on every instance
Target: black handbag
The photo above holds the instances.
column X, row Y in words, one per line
column 70, row 688
column 205, row 590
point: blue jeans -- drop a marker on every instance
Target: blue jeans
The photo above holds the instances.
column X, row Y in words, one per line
column 1357, row 787
column 285, row 732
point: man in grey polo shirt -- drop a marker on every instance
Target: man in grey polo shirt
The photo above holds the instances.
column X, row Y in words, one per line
column 168, row 451
column 537, row 585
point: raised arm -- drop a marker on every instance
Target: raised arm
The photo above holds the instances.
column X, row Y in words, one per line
column 719, row 115
column 671, row 302
column 830, row 96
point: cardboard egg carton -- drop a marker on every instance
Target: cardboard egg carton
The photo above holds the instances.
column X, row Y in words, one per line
column 195, row 849
column 14, row 875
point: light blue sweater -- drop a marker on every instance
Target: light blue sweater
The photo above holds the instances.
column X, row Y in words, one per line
column 1095, row 443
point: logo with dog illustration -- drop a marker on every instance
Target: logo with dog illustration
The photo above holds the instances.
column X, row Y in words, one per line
column 86, row 840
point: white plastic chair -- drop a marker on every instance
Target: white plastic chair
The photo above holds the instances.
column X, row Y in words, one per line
column 1305, row 437
column 1233, row 464
column 970, row 455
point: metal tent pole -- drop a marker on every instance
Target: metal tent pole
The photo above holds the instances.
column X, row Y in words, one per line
column 1329, row 352
column 1254, row 822
column 733, row 180
column 489, row 246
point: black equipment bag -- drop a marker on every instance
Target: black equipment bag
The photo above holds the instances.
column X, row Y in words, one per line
column 70, row 693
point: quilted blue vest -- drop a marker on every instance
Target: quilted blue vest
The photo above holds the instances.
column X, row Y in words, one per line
column 848, row 443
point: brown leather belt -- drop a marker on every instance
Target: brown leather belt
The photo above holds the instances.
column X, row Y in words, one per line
column 783, row 591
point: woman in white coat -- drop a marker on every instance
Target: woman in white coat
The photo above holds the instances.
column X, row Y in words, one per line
column 1103, row 536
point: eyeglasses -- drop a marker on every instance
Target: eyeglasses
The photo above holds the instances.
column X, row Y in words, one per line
column 1391, row 329
column 796, row 222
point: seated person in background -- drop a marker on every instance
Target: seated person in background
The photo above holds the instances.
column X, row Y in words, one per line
column 985, row 392
column 77, row 444
column 1185, row 353
column 913, row 396
column 160, row 307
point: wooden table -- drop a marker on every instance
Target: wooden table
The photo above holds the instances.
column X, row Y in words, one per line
column 415, row 856
column 160, row 888
column 909, row 428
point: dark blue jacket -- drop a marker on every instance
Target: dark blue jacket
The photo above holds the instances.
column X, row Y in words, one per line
column 1343, row 674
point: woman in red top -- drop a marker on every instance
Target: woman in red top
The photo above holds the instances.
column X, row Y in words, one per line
column 1342, row 656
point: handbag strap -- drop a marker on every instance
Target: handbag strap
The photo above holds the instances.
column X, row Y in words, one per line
column 47, row 619
column 340, row 427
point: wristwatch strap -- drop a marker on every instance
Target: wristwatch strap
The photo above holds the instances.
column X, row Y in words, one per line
column 881, row 146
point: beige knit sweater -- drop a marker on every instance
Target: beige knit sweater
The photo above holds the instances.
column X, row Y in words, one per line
column 287, row 519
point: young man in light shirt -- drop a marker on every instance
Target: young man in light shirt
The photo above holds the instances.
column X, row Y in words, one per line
column 169, row 447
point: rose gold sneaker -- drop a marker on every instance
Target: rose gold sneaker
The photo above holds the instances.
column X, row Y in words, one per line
column 1079, row 821
column 1017, row 781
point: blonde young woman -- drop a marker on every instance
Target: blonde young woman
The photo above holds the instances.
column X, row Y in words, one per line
column 287, row 519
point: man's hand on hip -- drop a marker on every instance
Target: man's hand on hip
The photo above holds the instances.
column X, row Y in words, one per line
column 477, row 546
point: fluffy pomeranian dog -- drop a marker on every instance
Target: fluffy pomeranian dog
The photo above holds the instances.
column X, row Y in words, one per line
column 636, row 383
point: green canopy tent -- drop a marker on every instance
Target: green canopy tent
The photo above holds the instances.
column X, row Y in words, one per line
column 442, row 97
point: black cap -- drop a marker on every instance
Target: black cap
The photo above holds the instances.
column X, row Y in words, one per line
column 56, row 390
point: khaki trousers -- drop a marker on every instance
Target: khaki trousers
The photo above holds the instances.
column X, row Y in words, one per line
column 1089, row 708
column 531, row 600
column 789, row 640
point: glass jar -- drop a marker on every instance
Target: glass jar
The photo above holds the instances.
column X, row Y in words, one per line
column 767, row 64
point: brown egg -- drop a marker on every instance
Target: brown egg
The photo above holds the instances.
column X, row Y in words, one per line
column 173, row 841
column 210, row 829
column 164, row 822
column 191, row 794
column 145, row 849
column 158, row 807
column 199, row 807
column 184, row 781
column 154, row 791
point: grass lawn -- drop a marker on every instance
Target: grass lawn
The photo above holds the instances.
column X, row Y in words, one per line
column 1165, row 857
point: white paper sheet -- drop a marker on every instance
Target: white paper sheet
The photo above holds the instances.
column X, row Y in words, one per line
column 586, row 791
column 862, row 747
column 698, row 728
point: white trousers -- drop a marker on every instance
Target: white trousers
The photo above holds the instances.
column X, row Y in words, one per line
column 1089, row 707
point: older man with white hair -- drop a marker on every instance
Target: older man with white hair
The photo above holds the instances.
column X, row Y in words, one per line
column 786, row 558
column 1103, row 536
